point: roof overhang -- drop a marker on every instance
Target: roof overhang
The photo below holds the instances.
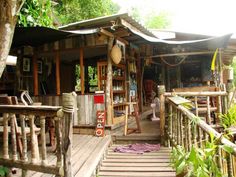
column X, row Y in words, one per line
column 36, row 36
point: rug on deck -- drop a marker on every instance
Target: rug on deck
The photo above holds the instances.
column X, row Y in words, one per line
column 138, row 148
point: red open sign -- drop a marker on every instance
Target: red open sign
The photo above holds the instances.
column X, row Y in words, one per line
column 101, row 121
column 98, row 99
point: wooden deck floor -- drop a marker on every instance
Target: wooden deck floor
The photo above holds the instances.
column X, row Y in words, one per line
column 137, row 165
column 87, row 152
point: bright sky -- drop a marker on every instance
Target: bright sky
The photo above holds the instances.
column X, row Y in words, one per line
column 212, row 17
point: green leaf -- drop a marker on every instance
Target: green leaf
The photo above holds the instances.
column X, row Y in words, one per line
column 228, row 149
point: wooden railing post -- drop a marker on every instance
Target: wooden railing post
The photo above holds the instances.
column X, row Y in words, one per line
column 5, row 136
column 68, row 109
column 161, row 91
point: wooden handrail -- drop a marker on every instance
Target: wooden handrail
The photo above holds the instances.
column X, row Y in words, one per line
column 62, row 116
column 179, row 131
column 218, row 93
column 207, row 128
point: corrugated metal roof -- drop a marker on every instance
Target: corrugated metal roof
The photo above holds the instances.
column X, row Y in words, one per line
column 101, row 21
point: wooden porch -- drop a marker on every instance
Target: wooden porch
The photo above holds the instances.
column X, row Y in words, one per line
column 87, row 151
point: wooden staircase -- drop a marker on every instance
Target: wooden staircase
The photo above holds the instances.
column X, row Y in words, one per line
column 136, row 165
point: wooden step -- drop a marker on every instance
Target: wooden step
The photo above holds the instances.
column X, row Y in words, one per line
column 137, row 160
column 148, row 164
column 135, row 169
column 133, row 164
column 137, row 174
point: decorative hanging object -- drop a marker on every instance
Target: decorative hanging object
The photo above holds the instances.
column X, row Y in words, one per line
column 116, row 54
column 214, row 60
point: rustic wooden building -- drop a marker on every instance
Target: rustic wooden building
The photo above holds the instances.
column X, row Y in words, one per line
column 77, row 58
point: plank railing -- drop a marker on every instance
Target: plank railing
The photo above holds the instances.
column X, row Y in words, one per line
column 219, row 97
column 180, row 131
column 36, row 157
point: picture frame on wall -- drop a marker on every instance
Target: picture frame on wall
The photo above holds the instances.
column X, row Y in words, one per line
column 26, row 65
column 40, row 67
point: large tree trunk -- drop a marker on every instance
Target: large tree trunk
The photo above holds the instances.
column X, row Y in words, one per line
column 8, row 18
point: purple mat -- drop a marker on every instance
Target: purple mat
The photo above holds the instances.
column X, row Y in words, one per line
column 138, row 148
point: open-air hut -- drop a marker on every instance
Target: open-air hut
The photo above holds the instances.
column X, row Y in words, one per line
column 78, row 58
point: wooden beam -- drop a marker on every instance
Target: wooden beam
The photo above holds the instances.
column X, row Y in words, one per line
column 81, row 62
column 58, row 84
column 109, row 34
column 109, row 106
column 183, row 54
column 35, row 74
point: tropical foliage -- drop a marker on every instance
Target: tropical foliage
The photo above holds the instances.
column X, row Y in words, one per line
column 3, row 171
column 36, row 13
column 228, row 119
column 198, row 162
column 77, row 10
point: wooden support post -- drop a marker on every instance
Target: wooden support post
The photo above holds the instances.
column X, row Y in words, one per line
column 68, row 100
column 24, row 138
column 185, row 132
column 58, row 79
column 43, row 140
column 170, row 124
column 161, row 91
column 5, row 136
column 189, row 137
column 81, row 63
column 229, row 165
column 181, row 130
column 13, row 137
column 126, row 119
column 34, row 141
column 178, row 126
column 109, row 106
column 208, row 118
column 196, row 105
column 139, row 82
column 35, row 74
column 220, row 67
column 58, row 135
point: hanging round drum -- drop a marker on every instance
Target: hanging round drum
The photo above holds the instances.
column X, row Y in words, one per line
column 116, row 54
